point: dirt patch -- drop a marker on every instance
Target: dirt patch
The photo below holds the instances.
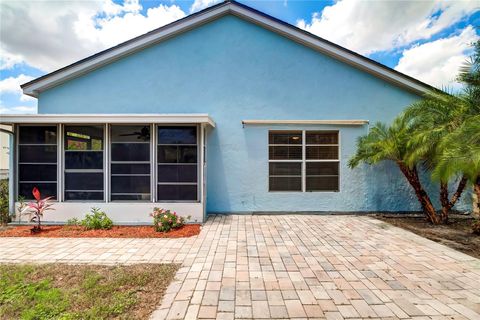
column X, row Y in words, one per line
column 457, row 234
column 58, row 291
column 187, row 230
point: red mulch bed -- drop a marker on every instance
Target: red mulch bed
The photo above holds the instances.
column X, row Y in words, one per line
column 187, row 230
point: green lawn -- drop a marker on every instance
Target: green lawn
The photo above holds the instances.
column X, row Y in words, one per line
column 59, row 291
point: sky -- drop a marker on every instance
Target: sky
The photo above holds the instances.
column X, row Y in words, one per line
column 426, row 39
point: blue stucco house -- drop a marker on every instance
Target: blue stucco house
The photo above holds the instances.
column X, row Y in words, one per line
column 228, row 110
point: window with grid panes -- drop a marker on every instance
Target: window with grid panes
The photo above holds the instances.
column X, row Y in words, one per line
column 303, row 160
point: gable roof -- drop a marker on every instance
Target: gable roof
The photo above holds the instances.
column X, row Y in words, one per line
column 36, row 86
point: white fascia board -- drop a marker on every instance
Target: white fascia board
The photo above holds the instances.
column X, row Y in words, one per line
column 106, row 118
column 327, row 122
column 199, row 19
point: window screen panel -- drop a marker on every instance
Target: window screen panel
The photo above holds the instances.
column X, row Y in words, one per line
column 37, row 160
column 285, row 137
column 285, row 184
column 285, row 168
column 84, row 162
column 177, row 163
column 37, row 153
column 176, row 192
column 322, row 184
column 322, row 137
column 37, row 172
column 130, row 163
column 130, row 152
column 285, row 152
column 38, row 135
column 322, row 168
column 130, row 168
column 46, row 189
column 177, row 173
column 321, row 152
column 177, row 135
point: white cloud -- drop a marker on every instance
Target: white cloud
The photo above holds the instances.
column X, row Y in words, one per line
column 73, row 29
column 18, row 109
column 371, row 26
column 438, row 62
column 11, row 85
column 202, row 4
column 9, row 60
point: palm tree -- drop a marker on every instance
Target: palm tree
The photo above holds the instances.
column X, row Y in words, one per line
column 461, row 154
column 432, row 119
column 384, row 143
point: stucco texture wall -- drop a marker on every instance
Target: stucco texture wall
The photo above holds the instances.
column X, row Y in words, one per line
column 234, row 70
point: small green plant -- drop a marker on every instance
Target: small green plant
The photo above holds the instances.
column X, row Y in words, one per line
column 165, row 220
column 97, row 220
column 476, row 226
column 4, row 216
column 73, row 222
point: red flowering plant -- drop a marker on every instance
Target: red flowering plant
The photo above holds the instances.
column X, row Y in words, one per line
column 36, row 209
column 165, row 220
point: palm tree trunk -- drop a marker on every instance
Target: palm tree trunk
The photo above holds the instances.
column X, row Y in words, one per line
column 476, row 203
column 422, row 196
column 448, row 204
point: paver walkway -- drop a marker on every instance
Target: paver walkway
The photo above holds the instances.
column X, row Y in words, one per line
column 289, row 266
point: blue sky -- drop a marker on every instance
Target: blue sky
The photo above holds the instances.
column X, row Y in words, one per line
column 428, row 40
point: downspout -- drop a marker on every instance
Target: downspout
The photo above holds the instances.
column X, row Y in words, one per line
column 11, row 166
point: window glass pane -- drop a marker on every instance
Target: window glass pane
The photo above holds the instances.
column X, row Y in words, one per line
column 177, row 135
column 322, row 168
column 285, row 184
column 84, row 138
column 130, row 197
column 37, row 154
column 83, row 181
column 322, row 137
column 177, row 154
column 285, row 168
column 37, row 172
column 76, row 195
column 177, row 173
column 46, row 190
column 38, row 135
column 176, row 192
column 285, row 153
column 131, row 168
column 322, row 183
column 130, row 133
column 130, row 184
column 285, row 137
column 83, row 160
column 130, row 152
column 321, row 153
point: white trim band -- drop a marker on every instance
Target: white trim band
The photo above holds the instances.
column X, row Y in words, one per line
column 194, row 118
column 328, row 122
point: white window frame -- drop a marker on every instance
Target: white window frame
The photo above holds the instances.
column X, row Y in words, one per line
column 17, row 163
column 198, row 164
column 304, row 159
column 104, row 169
column 151, row 161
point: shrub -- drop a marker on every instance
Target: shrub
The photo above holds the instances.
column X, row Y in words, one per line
column 73, row 222
column 97, row 220
column 4, row 216
column 37, row 208
column 476, row 226
column 165, row 220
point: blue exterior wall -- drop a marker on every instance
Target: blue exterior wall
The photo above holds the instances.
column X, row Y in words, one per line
column 235, row 70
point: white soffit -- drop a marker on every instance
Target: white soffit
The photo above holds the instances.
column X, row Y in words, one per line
column 34, row 87
column 107, row 118
column 327, row 122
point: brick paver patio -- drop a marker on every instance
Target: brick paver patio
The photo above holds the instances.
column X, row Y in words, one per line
column 288, row 266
